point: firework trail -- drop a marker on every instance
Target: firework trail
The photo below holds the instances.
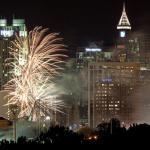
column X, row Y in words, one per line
column 35, row 61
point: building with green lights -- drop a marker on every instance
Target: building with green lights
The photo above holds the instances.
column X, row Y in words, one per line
column 8, row 33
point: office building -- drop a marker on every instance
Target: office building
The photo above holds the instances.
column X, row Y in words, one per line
column 7, row 35
column 109, row 86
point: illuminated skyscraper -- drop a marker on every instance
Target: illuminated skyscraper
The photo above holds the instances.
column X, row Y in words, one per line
column 124, row 28
column 124, row 24
column 87, row 54
column 7, row 34
column 109, row 86
column 84, row 55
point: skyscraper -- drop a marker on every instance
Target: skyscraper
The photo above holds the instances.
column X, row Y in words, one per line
column 124, row 25
column 124, row 28
column 84, row 55
column 110, row 85
column 7, row 35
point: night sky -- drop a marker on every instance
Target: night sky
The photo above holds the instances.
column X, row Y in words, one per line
column 79, row 23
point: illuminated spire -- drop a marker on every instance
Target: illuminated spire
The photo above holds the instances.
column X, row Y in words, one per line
column 124, row 7
column 124, row 21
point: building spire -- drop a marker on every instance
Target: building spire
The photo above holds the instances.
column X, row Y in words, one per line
column 124, row 21
column 124, row 7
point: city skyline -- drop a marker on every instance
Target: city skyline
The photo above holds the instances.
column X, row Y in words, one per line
column 80, row 23
column 81, row 70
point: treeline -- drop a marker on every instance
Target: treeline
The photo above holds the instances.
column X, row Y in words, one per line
column 111, row 133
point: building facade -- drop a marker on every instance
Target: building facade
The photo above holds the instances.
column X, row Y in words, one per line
column 114, row 76
column 109, row 86
column 7, row 35
column 123, row 41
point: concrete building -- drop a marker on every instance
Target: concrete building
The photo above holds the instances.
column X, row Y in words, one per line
column 109, row 86
column 7, row 35
column 115, row 74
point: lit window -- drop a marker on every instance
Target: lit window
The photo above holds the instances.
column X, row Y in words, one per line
column 23, row 33
column 6, row 33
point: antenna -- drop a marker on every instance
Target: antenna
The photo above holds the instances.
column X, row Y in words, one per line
column 124, row 6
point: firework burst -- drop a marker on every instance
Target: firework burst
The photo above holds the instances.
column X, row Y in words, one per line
column 35, row 61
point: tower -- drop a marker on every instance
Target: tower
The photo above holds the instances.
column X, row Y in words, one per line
column 110, row 86
column 8, row 32
column 7, row 35
column 124, row 29
column 124, row 25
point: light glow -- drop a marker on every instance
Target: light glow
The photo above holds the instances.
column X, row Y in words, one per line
column 124, row 27
column 122, row 33
column 6, row 33
column 93, row 50
column 124, row 21
column 30, row 90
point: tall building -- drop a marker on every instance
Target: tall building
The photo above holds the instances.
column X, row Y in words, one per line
column 124, row 28
column 144, row 46
column 124, row 25
column 7, row 35
column 84, row 55
column 109, row 86
column 115, row 75
column 93, row 52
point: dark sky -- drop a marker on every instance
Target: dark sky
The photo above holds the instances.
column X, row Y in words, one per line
column 79, row 23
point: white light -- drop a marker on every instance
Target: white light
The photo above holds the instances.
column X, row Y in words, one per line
column 144, row 68
column 122, row 34
column 124, row 27
column 6, row 33
column 47, row 117
column 93, row 49
column 23, row 33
